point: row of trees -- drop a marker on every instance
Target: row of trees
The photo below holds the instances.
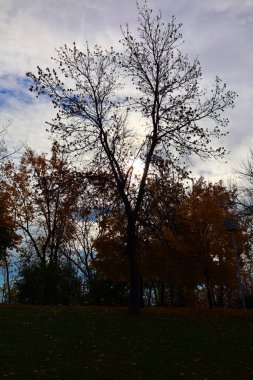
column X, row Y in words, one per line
column 69, row 232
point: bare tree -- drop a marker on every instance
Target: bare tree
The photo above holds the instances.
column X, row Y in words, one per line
column 80, row 250
column 5, row 153
column 166, row 95
column 245, row 197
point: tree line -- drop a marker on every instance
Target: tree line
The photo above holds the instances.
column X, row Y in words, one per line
column 66, row 229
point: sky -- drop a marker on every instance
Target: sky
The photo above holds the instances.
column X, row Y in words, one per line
column 218, row 32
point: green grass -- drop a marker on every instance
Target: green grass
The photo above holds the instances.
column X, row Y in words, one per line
column 105, row 343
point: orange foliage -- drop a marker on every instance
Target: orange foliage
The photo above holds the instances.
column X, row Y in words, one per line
column 44, row 193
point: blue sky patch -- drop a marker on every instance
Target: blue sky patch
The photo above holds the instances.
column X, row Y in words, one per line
column 15, row 89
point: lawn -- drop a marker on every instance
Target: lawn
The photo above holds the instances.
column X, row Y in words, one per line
column 75, row 343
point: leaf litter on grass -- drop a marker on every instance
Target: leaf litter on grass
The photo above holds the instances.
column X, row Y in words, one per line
column 197, row 344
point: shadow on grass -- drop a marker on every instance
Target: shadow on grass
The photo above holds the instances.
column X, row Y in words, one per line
column 40, row 342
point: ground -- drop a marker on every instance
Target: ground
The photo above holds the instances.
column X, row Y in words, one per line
column 77, row 343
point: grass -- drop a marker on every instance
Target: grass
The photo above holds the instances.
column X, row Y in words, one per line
column 76, row 343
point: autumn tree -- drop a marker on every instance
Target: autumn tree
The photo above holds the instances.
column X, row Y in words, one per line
column 162, row 254
column 9, row 238
column 244, row 203
column 184, row 249
column 165, row 93
column 44, row 193
column 208, row 243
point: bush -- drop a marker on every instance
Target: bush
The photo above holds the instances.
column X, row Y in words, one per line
column 106, row 292
column 49, row 284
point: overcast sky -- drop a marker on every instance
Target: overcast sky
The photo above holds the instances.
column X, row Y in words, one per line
column 218, row 32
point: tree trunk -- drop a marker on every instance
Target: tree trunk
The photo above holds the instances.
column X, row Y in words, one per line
column 141, row 293
column 7, row 279
column 221, row 296
column 149, row 294
column 161, row 301
column 134, row 296
column 208, row 288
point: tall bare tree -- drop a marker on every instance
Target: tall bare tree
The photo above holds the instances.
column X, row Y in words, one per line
column 165, row 93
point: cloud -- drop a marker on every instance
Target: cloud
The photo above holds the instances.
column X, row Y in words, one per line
column 14, row 89
column 218, row 32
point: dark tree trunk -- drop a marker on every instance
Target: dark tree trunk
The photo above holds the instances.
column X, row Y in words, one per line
column 208, row 288
column 155, row 293
column 149, row 294
column 134, row 275
column 161, row 301
column 221, row 296
column 141, row 293
column 172, row 297
column 209, row 297
column 7, row 279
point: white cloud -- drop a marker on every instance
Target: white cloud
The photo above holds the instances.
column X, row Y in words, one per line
column 219, row 32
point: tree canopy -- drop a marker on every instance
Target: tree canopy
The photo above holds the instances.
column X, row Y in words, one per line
column 88, row 88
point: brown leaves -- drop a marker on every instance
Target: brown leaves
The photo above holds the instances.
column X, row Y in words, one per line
column 44, row 194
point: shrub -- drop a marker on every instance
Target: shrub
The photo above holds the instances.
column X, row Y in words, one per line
column 48, row 284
